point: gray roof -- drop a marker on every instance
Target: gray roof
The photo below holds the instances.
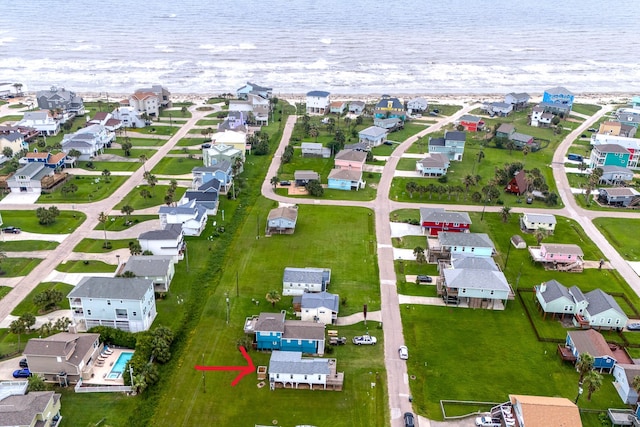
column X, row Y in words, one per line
column 558, row 90
column 545, row 218
column 474, row 263
column 311, row 145
column 320, row 299
column 432, row 161
column 358, row 146
column 506, row 128
column 201, row 197
column 112, row 287
column 283, row 212
column 34, row 170
column 521, row 137
column 455, row 135
column 600, row 302
column 554, row 291
column 345, row 174
column 611, row 148
column 352, row 156
column 395, row 103
column 298, row 329
column 615, row 169
column 270, row 322
column 170, row 232
column 211, row 187
column 561, row 248
column 554, row 106
column 592, row 342
column 291, row 362
column 440, row 215
column 577, row 294
column 12, row 137
column 305, row 174
column 520, row 96
column 306, row 275
column 318, row 93
column 223, row 165
column 619, row 191
column 477, row 240
column 373, row 131
column 148, row 265
column 62, row 344
column 470, row 118
column 500, row 104
column 24, row 410
column 476, row 279
column 438, row 142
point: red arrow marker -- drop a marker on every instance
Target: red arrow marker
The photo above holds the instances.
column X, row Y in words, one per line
column 244, row 370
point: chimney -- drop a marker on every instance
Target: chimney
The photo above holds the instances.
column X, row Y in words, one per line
column 543, row 287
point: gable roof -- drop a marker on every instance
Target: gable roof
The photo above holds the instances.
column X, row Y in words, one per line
column 470, row 118
column 384, row 103
column 305, row 174
column 521, row 137
column 170, row 232
column 223, row 165
column 283, row 212
column 311, row 146
column 536, row 217
column 563, row 248
column 590, row 341
column 611, row 148
column 320, row 299
column 477, row 240
column 577, row 294
column 599, row 302
column 345, row 174
column 291, row 362
column 520, row 180
column 476, row 279
column 25, row 409
column 455, row 135
column 34, row 171
column 554, row 291
column 558, row 90
column 440, row 215
column 298, row 329
column 305, row 275
column 615, row 169
column 373, row 131
column 112, row 287
column 619, row 191
column 318, row 93
column 433, row 161
column 352, row 156
column 630, row 371
column 270, row 322
column 506, row 128
column 519, row 96
column 148, row 265
column 474, row 263
column 541, row 411
column 62, row 344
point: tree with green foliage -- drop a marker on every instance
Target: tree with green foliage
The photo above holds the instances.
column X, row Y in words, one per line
column 47, row 216
column 103, row 218
column 143, row 159
column 48, row 299
column 75, row 153
column 551, row 199
column 584, row 365
column 145, row 194
column 411, row 188
column 68, row 188
column 418, row 252
column 314, row 188
column 505, row 213
column 127, row 210
column 18, row 328
column 168, row 198
column 36, row 383
column 593, row 382
column 273, row 297
column 274, row 181
column 106, row 174
column 314, row 132
column 261, row 148
column 126, row 147
column 7, row 152
column 161, row 340
column 135, row 248
column 287, row 154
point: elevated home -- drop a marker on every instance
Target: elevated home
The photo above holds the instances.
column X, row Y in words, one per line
column 314, row 149
column 318, row 102
column 161, row 93
column 632, row 145
column 500, row 109
column 558, row 95
column 350, row 160
column 390, row 123
column 127, row 304
column 591, row 342
column 389, row 107
column 473, row 244
column 436, row 220
column 619, row 196
column 345, row 179
column 47, row 158
column 64, row 354
column 129, row 117
column 105, row 119
column 231, row 138
column 220, row 171
column 617, row 129
column 557, row 299
column 615, row 175
column 356, row 107
column 624, row 375
column 89, row 141
column 158, row 268
column 319, row 307
column 42, row 121
column 191, row 216
column 255, row 108
column 252, row 88
column 629, row 119
column 28, row 134
column 435, row 164
column 610, row 155
column 555, row 108
column 303, row 177
column 297, row 281
column 518, row 184
column 505, row 130
column 452, row 145
column 539, row 118
column 531, row 222
column 167, row 241
column 291, row 370
column 470, row 123
column 235, row 120
column 417, row 105
column 372, row 136
column 206, row 197
column 145, row 102
column 542, row 411
column 273, row 332
column 28, row 179
column 557, row 256
column 521, row 140
column 22, row 409
column 518, row 100
column 15, row 141
column 282, row 220
column 475, row 288
column 221, row 152
column 60, row 98
column 337, row 107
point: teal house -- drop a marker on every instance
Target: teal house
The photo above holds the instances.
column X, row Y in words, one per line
column 609, row 155
column 273, row 332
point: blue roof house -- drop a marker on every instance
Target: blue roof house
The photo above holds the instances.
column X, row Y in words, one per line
column 558, row 95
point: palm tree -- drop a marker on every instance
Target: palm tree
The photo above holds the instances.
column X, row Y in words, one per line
column 273, row 297
column 540, row 235
column 584, row 365
column 411, row 188
column 480, row 156
column 313, row 132
column 18, row 327
column 135, row 248
column 510, row 145
column 274, row 181
column 106, row 174
column 593, row 382
column 505, row 213
column 103, row 218
column 418, row 252
column 127, row 210
column 468, row 181
column 143, row 158
column 2, row 257
column 347, row 121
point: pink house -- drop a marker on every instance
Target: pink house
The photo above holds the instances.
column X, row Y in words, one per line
column 350, row 160
column 558, row 256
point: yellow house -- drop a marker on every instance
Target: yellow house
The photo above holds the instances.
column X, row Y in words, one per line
column 617, row 129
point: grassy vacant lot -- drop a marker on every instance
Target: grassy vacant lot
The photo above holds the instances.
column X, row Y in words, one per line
column 27, row 305
column 147, row 142
column 158, row 192
column 27, row 221
column 14, row 118
column 118, row 223
column 133, row 154
column 616, row 230
column 156, row 129
column 368, row 193
column 27, row 245
column 95, row 245
column 409, row 130
column 86, row 267
column 588, row 109
column 90, row 189
column 445, row 109
column 176, row 165
column 17, row 267
column 111, row 166
column 187, row 142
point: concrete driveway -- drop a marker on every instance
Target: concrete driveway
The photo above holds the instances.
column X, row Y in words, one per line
column 20, row 199
column 8, row 366
column 400, row 229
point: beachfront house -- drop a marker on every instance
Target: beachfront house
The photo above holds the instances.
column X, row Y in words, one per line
column 417, row 105
column 593, row 343
column 356, row 107
column 539, row 118
column 618, row 196
column 145, row 102
column 435, row 220
column 127, row 304
column 338, row 107
column 434, row 165
column 43, row 121
column 129, row 117
column 318, row 102
column 273, row 332
column 319, row 307
column 609, row 155
column 158, row 268
column 518, row 100
column 624, row 374
column 252, row 88
column 558, row 95
column 452, row 145
column 28, row 179
column 389, row 107
column 282, row 220
column 530, row 222
column 500, row 109
column 289, row 369
column 67, row 355
column 60, row 99
column 297, row 281
column 166, row 241
column 470, row 123
column 372, row 136
column 22, row 409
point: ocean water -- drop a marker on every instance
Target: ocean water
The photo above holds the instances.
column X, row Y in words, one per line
column 343, row 46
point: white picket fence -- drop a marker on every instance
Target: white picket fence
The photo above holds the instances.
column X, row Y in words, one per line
column 102, row 389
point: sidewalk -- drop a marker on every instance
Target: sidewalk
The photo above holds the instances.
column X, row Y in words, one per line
column 353, row 319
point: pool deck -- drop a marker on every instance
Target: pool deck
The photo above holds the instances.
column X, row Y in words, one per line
column 100, row 372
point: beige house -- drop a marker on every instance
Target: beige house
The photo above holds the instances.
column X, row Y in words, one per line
column 63, row 355
column 21, row 409
column 531, row 222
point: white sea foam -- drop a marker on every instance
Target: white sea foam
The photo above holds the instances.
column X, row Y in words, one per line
column 325, row 41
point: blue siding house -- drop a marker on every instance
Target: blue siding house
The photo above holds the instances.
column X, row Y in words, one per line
column 222, row 171
column 273, row 332
column 593, row 343
column 452, row 145
column 474, row 244
column 558, row 95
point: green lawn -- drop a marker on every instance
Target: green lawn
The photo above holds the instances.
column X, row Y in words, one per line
column 188, row 142
column 156, row 129
column 86, row 267
column 158, row 192
column 27, row 246
column 27, row 305
column 118, row 223
column 17, row 267
column 75, row 413
column 176, row 165
column 4, row 290
column 445, row 109
column 66, row 222
column 147, row 142
column 616, row 230
column 368, row 193
column 409, row 130
column 588, row 109
column 112, row 166
column 13, row 118
column 134, row 153
column 90, row 189
column 95, row 245
column 383, row 150
column 208, row 122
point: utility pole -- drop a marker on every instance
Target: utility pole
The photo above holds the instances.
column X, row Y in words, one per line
column 204, row 384
column 226, row 293
column 237, row 287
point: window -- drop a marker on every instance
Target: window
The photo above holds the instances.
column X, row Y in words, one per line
column 305, row 377
column 291, row 376
column 134, row 313
column 89, row 312
column 108, row 302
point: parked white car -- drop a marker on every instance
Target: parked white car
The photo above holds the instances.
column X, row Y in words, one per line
column 404, row 352
column 364, row 340
column 488, row 422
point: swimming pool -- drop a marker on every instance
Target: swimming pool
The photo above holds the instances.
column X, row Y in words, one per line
column 118, row 367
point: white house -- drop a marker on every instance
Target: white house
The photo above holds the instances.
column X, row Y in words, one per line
column 89, row 141
column 539, row 118
column 120, row 303
column 129, row 117
column 533, row 221
column 289, row 369
column 623, row 375
column 252, row 88
column 297, row 281
column 417, row 105
column 372, row 136
column 319, row 307
column 167, row 241
column 356, row 107
column 145, row 102
column 318, row 102
column 190, row 216
column 42, row 121
column 219, row 153
column 158, row 268
column 28, row 179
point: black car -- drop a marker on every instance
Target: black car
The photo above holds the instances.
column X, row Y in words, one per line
column 409, row 420
column 285, row 183
column 425, row 279
column 11, row 230
column 203, row 146
column 23, row 363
